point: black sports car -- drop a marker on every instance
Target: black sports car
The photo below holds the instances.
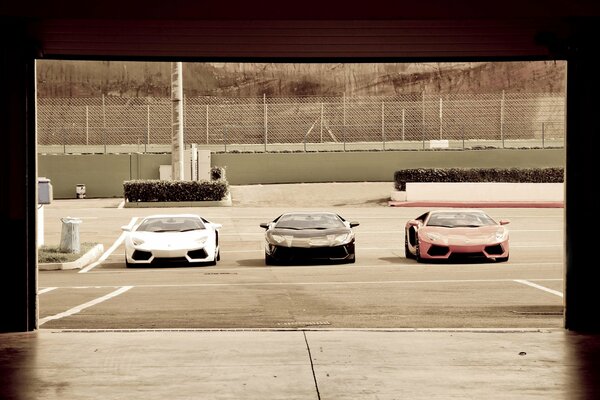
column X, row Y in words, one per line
column 309, row 236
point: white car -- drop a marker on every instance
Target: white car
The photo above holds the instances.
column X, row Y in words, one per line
column 172, row 239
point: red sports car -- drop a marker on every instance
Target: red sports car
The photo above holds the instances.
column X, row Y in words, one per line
column 456, row 234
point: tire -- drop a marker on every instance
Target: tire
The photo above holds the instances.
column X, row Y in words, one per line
column 269, row 260
column 407, row 252
column 418, row 252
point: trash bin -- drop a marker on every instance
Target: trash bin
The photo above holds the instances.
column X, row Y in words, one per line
column 69, row 236
column 80, row 190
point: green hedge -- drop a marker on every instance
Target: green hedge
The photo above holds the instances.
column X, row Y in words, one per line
column 163, row 190
column 518, row 175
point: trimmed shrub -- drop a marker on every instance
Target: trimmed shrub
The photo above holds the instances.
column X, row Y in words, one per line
column 163, row 190
column 217, row 173
column 514, row 175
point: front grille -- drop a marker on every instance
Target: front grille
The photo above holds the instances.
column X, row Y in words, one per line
column 170, row 260
column 494, row 250
column 197, row 254
column 467, row 256
column 438, row 250
column 141, row 255
column 316, row 253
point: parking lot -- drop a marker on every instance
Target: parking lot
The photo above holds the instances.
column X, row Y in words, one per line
column 382, row 290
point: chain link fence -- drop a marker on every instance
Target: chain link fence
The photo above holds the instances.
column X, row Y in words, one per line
column 411, row 121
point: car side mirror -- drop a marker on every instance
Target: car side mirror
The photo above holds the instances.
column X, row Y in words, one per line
column 126, row 228
column 353, row 224
column 264, row 225
column 413, row 222
column 504, row 221
column 217, row 226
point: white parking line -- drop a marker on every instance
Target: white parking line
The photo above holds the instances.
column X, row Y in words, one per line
column 46, row 290
column 328, row 283
column 108, row 252
column 83, row 306
column 545, row 289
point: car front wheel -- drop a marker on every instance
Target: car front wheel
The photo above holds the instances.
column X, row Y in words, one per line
column 418, row 252
column 269, row 260
column 407, row 252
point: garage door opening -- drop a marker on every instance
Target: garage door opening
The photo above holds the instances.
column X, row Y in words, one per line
column 102, row 123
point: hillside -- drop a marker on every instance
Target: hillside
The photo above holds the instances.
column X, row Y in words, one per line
column 141, row 79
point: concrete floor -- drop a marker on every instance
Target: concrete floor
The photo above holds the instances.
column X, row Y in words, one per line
column 294, row 364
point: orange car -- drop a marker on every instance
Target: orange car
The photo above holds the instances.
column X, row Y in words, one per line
column 456, row 234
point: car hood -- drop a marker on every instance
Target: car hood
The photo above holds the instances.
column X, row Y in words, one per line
column 311, row 237
column 304, row 233
column 169, row 239
column 482, row 234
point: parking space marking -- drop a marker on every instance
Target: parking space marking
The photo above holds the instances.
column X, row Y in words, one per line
column 83, row 306
column 329, row 283
column 46, row 290
column 108, row 252
column 545, row 289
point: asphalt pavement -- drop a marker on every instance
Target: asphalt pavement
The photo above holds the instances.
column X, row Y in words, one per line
column 302, row 363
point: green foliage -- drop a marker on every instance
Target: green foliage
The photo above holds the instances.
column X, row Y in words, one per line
column 164, row 190
column 52, row 254
column 217, row 173
column 515, row 175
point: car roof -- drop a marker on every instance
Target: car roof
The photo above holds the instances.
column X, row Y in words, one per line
column 458, row 210
column 308, row 213
column 172, row 216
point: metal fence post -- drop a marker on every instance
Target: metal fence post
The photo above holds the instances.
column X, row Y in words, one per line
column 207, row 124
column 403, row 124
column 441, row 119
column 423, row 118
column 266, row 120
column 103, row 124
column 344, row 118
column 321, row 132
column 502, row 119
column 383, row 124
column 148, row 124
column 543, row 134
column 87, row 127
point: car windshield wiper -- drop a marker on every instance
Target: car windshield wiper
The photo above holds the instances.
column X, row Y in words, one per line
column 190, row 229
column 288, row 227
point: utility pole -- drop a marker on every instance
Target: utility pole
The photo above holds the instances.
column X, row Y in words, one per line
column 177, row 121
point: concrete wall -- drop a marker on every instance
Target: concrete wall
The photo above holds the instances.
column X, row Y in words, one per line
column 485, row 191
column 103, row 174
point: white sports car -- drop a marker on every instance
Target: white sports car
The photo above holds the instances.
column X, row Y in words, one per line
column 172, row 239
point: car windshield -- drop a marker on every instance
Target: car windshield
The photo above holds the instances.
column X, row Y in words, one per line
column 170, row 224
column 460, row 219
column 309, row 221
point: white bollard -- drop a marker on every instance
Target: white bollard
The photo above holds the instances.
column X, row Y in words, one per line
column 69, row 238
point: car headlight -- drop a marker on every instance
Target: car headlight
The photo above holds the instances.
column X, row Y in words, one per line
column 501, row 235
column 276, row 238
column 340, row 239
column 137, row 241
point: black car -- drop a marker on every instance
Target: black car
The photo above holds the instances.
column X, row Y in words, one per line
column 309, row 237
